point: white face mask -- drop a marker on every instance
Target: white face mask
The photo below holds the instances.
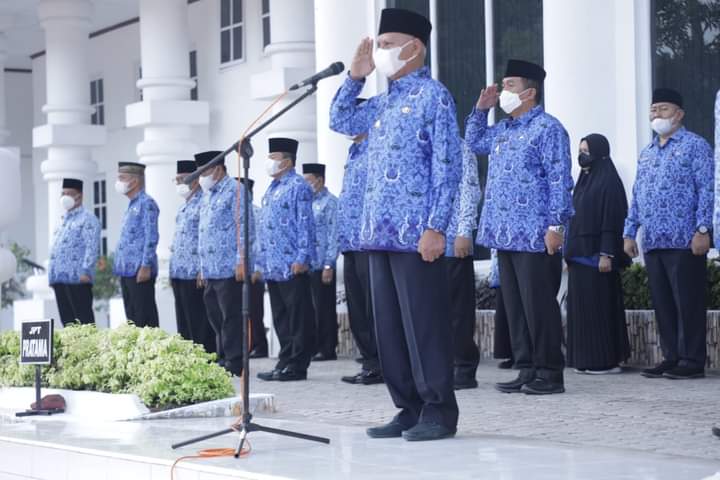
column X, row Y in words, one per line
column 662, row 126
column 272, row 167
column 183, row 190
column 388, row 62
column 122, row 187
column 207, row 182
column 67, row 202
column 509, row 101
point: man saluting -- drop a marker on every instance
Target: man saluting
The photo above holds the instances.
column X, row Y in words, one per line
column 414, row 168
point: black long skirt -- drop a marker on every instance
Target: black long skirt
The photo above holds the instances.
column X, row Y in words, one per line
column 597, row 331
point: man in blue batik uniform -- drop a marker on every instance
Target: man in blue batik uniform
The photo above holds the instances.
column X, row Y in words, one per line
column 185, row 278
column 414, row 168
column 322, row 272
column 356, row 262
column 461, row 273
column 673, row 203
column 527, row 204
column 136, row 260
column 285, row 254
column 73, row 255
column 221, row 245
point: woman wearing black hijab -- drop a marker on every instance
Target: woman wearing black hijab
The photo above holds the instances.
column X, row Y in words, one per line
column 597, row 332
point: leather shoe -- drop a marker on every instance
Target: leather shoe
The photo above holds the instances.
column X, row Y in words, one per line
column 321, row 357
column 269, row 376
column 658, row 370
column 517, row 384
column 257, row 353
column 390, row 430
column 506, row 364
column 463, row 381
column 290, row 375
column 541, row 386
column 366, row 377
column 427, row 431
column 684, row 373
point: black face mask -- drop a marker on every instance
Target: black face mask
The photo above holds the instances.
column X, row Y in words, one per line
column 585, row 160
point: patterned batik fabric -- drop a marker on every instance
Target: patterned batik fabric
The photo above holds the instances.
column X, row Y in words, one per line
column 529, row 184
column 75, row 248
column 673, row 192
column 184, row 258
column 465, row 208
column 324, row 207
column 414, row 158
column 139, row 237
column 287, row 227
column 351, row 200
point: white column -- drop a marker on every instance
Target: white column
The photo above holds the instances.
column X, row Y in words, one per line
column 339, row 27
column 10, row 195
column 171, row 121
column 292, row 54
column 600, row 81
column 68, row 135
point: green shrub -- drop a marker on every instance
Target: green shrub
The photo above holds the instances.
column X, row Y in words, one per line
column 163, row 370
column 106, row 284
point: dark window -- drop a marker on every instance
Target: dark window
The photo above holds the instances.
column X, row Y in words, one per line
column 231, row 30
column 266, row 22
column 100, row 210
column 193, row 74
column 686, row 43
column 97, row 100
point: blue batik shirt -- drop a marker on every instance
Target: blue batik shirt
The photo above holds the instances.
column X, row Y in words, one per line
column 465, row 208
column 184, row 259
column 529, row 184
column 219, row 243
column 75, row 248
column 139, row 237
column 673, row 192
column 414, row 159
column 716, row 230
column 325, row 214
column 350, row 202
column 287, row 227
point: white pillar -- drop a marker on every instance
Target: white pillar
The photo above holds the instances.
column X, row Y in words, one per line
column 171, row 121
column 292, row 54
column 68, row 135
column 339, row 27
column 600, row 81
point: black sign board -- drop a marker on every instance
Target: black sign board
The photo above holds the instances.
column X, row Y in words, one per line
column 36, row 342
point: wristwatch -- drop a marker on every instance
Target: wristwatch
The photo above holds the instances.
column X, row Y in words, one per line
column 559, row 229
column 703, row 230
column 327, row 267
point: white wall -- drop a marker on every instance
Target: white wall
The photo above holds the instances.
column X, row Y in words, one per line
column 19, row 113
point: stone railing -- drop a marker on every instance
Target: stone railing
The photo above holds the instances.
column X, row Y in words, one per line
column 642, row 330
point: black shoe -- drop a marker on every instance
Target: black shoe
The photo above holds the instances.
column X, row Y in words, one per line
column 390, row 430
column 514, row 386
column 221, row 362
column 290, row 375
column 463, row 381
column 270, row 376
column 366, row 377
column 506, row 364
column 360, row 360
column 540, row 386
column 321, row 357
column 427, row 431
column 716, row 431
column 658, row 370
column 258, row 353
column 684, row 373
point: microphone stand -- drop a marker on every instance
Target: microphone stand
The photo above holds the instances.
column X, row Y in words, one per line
column 246, row 425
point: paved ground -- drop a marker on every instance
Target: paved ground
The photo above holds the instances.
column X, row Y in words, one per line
column 620, row 411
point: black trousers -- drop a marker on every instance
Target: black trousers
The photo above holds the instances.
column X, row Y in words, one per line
column 414, row 335
column 461, row 280
column 294, row 320
column 223, row 303
column 139, row 301
column 74, row 302
column 530, row 284
column 190, row 314
column 356, row 273
column 324, row 298
column 502, row 347
column 678, row 286
column 259, row 341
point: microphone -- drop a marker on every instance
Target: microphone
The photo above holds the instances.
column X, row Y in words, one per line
column 332, row 70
